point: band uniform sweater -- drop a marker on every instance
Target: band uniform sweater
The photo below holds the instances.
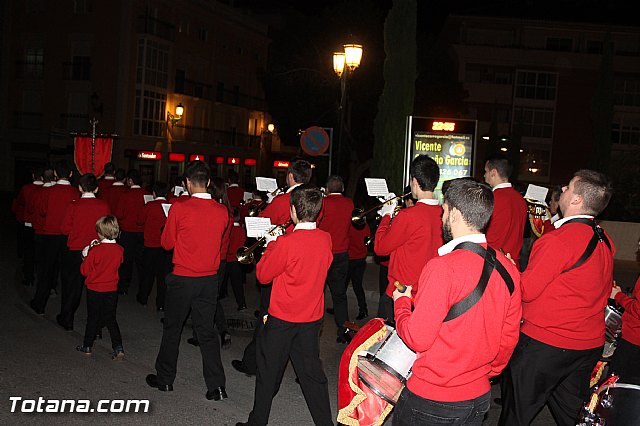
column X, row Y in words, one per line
column 80, row 220
column 129, row 207
column 100, row 267
column 412, row 239
column 112, row 194
column 279, row 210
column 357, row 247
column 194, row 231
column 152, row 219
column 19, row 204
column 53, row 205
column 566, row 310
column 32, row 213
column 506, row 228
column 297, row 263
column 457, row 358
column 631, row 314
column 235, row 194
column 105, row 182
column 236, row 240
column 336, row 220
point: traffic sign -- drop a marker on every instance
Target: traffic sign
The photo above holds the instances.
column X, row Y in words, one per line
column 314, row 141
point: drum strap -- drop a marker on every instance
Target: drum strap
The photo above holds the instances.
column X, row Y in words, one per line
column 598, row 237
column 490, row 263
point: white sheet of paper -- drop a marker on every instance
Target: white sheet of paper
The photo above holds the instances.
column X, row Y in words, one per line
column 266, row 184
column 247, row 196
column 538, row 193
column 147, row 198
column 178, row 190
column 257, row 226
column 376, row 187
column 166, row 207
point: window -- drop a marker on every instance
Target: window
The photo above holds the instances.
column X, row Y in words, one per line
column 534, row 122
column 150, row 110
column 559, row 44
column 33, row 66
column 203, row 34
column 536, row 85
column 534, row 161
column 594, row 46
column 625, row 134
column 81, row 68
column 151, row 85
column 627, row 92
column 477, row 73
column 153, row 64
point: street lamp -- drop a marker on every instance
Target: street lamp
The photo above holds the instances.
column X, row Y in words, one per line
column 345, row 63
column 174, row 118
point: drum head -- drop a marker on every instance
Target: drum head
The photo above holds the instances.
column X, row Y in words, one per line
column 379, row 380
column 624, row 406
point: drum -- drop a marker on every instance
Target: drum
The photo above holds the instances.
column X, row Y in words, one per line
column 613, row 327
column 617, row 404
column 386, row 366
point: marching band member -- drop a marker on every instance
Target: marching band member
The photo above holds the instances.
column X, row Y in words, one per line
column 415, row 234
column 625, row 359
column 358, row 251
column 564, row 292
column 506, row 227
column 297, row 263
column 112, row 193
column 108, row 178
column 26, row 242
column 235, row 192
column 459, row 349
column 336, row 220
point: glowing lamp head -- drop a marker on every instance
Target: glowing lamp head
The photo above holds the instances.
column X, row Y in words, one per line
column 179, row 110
column 338, row 62
column 352, row 55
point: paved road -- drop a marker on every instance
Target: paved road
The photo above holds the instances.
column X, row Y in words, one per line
column 39, row 360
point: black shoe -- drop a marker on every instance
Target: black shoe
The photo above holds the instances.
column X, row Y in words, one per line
column 242, row 308
column 66, row 327
column 225, row 340
column 297, row 380
column 239, row 366
column 362, row 314
column 330, row 311
column 152, row 380
column 84, row 349
column 193, row 341
column 344, row 338
column 123, row 292
column 140, row 301
column 217, row 394
column 117, row 354
column 35, row 309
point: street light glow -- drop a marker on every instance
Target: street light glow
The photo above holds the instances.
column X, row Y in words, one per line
column 353, row 55
column 338, row 62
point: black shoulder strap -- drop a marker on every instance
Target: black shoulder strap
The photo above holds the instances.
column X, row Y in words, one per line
column 598, row 236
column 490, row 263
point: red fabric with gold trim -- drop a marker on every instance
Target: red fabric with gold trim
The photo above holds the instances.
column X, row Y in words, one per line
column 88, row 161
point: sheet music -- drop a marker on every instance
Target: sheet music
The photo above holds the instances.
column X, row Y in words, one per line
column 178, row 190
column 247, row 196
column 266, row 184
column 376, row 187
column 538, row 193
column 165, row 208
column 147, row 198
column 257, row 226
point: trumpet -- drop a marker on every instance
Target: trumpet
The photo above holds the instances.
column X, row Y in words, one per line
column 359, row 216
column 246, row 255
column 255, row 209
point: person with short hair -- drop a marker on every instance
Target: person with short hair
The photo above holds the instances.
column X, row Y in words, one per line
column 108, row 178
column 112, row 193
column 102, row 258
column 463, row 323
column 565, row 289
column 235, row 192
column 297, row 263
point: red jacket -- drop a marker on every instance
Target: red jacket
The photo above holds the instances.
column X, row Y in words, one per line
column 152, row 219
column 412, row 240
column 357, row 248
column 194, row 231
column 53, row 205
column 236, row 240
column 235, row 195
column 566, row 310
column 506, row 227
column 279, row 210
column 32, row 212
column 456, row 358
column 631, row 315
column 129, row 207
column 104, row 183
column 336, row 220
column 80, row 221
column 112, row 194
column 101, row 267
column 19, row 204
column 297, row 263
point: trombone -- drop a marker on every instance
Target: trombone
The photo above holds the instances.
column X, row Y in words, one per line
column 246, row 255
column 255, row 209
column 359, row 216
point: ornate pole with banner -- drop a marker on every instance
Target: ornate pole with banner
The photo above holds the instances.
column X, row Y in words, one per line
column 91, row 153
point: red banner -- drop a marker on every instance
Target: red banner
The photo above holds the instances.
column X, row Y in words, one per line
column 91, row 156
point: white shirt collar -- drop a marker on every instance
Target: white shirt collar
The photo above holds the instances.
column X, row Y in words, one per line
column 291, row 188
column 38, row 182
column 236, row 224
column 48, row 184
column 160, row 198
column 231, row 185
column 118, row 183
column 134, row 187
column 109, row 177
column 429, row 201
column 88, row 195
column 560, row 222
column 305, row 225
column 63, row 182
column 108, row 241
column 502, row 185
column 203, row 195
column 555, row 218
column 474, row 238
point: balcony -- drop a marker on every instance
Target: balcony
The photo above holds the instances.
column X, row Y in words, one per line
column 155, row 27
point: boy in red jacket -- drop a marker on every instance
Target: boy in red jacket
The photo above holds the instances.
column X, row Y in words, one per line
column 297, row 263
column 100, row 267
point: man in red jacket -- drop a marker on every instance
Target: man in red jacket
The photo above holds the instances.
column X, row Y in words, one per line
column 131, row 239
column 109, row 177
column 235, row 192
column 625, row 359
column 564, row 292
column 415, row 234
column 26, row 246
column 79, row 226
column 297, row 263
column 51, row 207
column 193, row 231
column 112, row 193
column 465, row 320
column 506, row 227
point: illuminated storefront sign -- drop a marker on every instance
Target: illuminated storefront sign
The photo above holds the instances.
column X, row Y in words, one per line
column 196, row 157
column 176, row 157
column 149, row 155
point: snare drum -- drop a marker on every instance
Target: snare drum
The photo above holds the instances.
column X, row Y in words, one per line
column 386, row 366
column 617, row 404
column 613, row 328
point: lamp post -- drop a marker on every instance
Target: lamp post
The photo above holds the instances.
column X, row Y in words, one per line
column 172, row 119
column 344, row 64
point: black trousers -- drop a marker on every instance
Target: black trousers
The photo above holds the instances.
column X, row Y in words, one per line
column 626, row 362
column 337, row 282
column 234, row 274
column 72, row 284
column 278, row 342
column 249, row 355
column 27, row 252
column 386, row 309
column 133, row 245
column 197, row 295
column 50, row 250
column 101, row 311
column 156, row 264
column 355, row 276
column 383, row 281
column 540, row 374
